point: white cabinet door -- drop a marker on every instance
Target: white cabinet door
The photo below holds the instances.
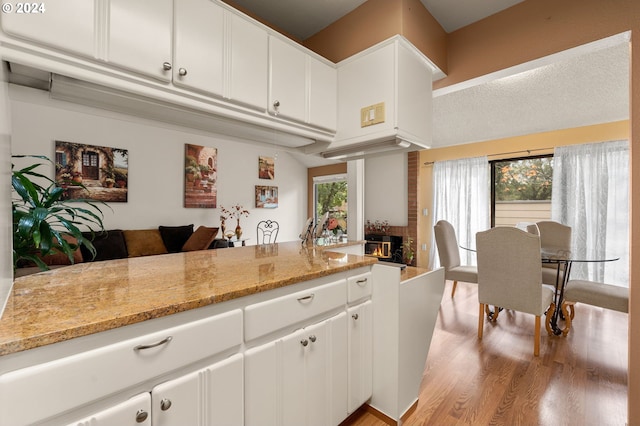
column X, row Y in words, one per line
column 323, row 94
column 213, row 395
column 133, row 412
column 287, row 80
column 248, row 46
column 300, row 379
column 199, row 44
column 68, row 25
column 360, row 354
column 139, row 36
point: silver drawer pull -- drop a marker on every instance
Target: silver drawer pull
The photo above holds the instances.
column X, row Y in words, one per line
column 153, row 345
column 306, row 298
column 362, row 282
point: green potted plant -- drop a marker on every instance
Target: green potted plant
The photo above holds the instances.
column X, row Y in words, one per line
column 407, row 250
column 42, row 220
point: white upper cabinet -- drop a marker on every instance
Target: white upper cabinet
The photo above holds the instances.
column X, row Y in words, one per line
column 66, row 25
column 385, row 92
column 301, row 87
column 287, row 80
column 199, row 46
column 323, row 94
column 247, row 69
column 139, row 36
column 219, row 52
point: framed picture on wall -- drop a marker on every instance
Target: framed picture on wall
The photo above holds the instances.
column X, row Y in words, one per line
column 266, row 168
column 266, row 197
column 93, row 172
column 200, row 176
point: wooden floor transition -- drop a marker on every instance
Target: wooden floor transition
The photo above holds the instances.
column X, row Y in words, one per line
column 580, row 379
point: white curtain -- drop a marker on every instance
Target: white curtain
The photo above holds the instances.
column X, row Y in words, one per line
column 461, row 197
column 591, row 194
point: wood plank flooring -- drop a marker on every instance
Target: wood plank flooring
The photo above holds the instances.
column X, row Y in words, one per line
column 580, row 379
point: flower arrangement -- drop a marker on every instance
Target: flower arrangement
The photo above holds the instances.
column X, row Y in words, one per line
column 377, row 227
column 236, row 211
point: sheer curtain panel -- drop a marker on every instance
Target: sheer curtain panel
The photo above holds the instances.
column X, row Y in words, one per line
column 591, row 194
column 461, row 197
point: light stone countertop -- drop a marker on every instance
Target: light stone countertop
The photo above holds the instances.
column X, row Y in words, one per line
column 91, row 297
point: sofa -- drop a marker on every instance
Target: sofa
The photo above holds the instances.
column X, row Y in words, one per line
column 119, row 244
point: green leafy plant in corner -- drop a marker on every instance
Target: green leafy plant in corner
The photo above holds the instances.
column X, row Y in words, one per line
column 407, row 248
column 42, row 218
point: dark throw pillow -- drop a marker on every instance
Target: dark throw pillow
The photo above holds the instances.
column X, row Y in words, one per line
column 109, row 245
column 174, row 237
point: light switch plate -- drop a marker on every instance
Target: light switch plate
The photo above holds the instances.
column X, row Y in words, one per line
column 372, row 114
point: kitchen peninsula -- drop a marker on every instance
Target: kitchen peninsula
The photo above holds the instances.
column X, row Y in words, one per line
column 277, row 332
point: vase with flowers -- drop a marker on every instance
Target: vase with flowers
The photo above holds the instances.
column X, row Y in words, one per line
column 236, row 211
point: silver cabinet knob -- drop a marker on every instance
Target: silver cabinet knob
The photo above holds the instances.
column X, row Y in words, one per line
column 312, row 338
column 165, row 404
column 166, row 66
column 141, row 416
column 276, row 104
column 354, row 316
column 182, row 71
column 304, row 342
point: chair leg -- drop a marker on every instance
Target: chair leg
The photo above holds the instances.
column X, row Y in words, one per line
column 480, row 321
column 453, row 288
column 536, row 337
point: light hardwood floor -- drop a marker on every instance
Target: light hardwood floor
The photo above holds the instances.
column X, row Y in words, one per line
column 580, row 379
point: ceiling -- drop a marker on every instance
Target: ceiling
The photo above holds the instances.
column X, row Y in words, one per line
column 586, row 85
column 304, row 18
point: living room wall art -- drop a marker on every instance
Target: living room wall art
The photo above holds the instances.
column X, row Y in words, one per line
column 200, row 176
column 92, row 172
column 266, row 168
column 266, row 197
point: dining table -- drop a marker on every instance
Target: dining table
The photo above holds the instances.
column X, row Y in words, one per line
column 564, row 260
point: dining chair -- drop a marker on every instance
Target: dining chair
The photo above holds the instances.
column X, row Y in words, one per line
column 555, row 239
column 509, row 276
column 267, row 231
column 449, row 253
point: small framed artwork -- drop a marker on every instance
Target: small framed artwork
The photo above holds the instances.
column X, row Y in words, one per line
column 266, row 197
column 266, row 168
column 92, row 172
column 200, row 176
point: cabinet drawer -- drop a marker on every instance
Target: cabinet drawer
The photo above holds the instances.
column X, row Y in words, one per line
column 90, row 375
column 359, row 287
column 271, row 315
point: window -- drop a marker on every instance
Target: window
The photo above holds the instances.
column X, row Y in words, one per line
column 521, row 190
column 330, row 196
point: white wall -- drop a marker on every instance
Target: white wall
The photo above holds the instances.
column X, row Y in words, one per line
column 156, row 165
column 386, row 183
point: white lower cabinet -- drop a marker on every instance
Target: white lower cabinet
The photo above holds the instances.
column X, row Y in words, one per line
column 211, row 396
column 299, row 379
column 360, row 332
column 134, row 411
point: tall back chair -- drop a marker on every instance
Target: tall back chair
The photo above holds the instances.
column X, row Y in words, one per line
column 267, row 231
column 449, row 254
column 509, row 275
column 555, row 239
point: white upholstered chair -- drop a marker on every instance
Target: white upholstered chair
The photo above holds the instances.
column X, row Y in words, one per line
column 509, row 276
column 449, row 253
column 555, row 239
